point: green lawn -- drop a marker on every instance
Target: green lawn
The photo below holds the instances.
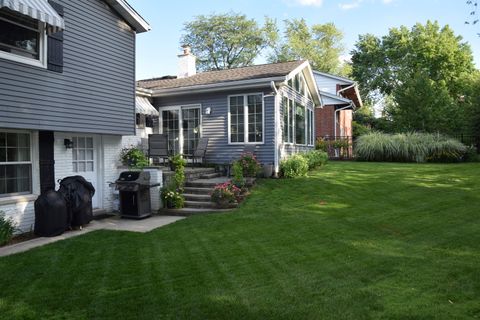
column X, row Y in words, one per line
column 352, row 241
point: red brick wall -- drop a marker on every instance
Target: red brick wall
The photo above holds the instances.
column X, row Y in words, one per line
column 324, row 118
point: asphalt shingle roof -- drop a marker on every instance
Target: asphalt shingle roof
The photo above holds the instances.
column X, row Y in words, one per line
column 211, row 77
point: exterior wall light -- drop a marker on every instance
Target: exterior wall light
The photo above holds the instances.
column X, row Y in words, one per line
column 68, row 143
column 208, row 110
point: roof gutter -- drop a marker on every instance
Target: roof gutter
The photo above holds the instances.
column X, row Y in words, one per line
column 216, row 87
column 130, row 15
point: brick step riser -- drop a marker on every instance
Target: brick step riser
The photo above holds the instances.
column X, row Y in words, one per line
column 194, row 184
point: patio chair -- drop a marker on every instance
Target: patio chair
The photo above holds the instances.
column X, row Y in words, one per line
column 200, row 151
column 158, row 146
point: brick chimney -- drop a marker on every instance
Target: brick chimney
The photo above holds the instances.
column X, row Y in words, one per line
column 186, row 63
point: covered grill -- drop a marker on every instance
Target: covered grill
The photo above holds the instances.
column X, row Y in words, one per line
column 134, row 194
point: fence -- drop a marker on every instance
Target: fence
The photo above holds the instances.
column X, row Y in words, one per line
column 337, row 147
column 469, row 140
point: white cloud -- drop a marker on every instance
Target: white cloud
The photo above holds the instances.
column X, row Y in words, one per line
column 351, row 5
column 308, row 3
column 356, row 3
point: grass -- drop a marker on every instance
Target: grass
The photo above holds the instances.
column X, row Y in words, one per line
column 351, row 241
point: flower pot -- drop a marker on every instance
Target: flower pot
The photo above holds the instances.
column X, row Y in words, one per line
column 267, row 170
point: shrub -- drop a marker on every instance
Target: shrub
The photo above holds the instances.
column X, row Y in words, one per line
column 7, row 228
column 226, row 194
column 295, row 166
column 134, row 158
column 172, row 198
column 316, row 158
column 408, row 147
column 322, row 145
column 172, row 194
column 471, row 155
column 237, row 173
column 249, row 163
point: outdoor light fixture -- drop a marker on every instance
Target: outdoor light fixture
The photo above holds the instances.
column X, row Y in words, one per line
column 208, row 110
column 68, row 143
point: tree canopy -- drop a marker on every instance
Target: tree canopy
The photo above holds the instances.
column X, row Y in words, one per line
column 426, row 70
column 321, row 44
column 224, row 41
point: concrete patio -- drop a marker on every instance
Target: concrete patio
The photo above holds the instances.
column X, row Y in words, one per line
column 114, row 223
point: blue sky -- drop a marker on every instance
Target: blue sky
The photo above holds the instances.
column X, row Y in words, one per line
column 157, row 50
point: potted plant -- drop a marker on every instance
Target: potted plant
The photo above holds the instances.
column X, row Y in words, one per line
column 134, row 158
column 250, row 167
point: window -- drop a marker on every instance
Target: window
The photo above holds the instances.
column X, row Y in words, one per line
column 83, row 155
column 246, row 119
column 288, row 120
column 299, row 124
column 21, row 38
column 310, row 131
column 15, row 163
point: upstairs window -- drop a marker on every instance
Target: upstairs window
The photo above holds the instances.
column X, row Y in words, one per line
column 22, row 38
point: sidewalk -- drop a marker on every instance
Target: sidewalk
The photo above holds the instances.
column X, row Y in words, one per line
column 115, row 223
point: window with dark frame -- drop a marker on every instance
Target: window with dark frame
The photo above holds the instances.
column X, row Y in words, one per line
column 19, row 34
column 15, row 163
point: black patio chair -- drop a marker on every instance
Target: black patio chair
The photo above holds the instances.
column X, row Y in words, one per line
column 158, row 146
column 200, row 151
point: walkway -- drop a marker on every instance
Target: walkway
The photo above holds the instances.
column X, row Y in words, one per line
column 115, row 223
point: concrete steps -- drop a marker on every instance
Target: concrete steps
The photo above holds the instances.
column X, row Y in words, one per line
column 197, row 192
column 185, row 212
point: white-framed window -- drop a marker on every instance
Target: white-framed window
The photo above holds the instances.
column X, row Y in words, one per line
column 15, row 163
column 246, row 119
column 83, row 154
column 310, row 128
column 300, row 127
column 22, row 39
column 288, row 120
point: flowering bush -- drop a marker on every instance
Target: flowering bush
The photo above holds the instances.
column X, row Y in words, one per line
column 172, row 198
column 249, row 163
column 226, row 194
column 7, row 228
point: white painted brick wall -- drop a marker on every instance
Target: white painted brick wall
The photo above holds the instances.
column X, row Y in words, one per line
column 112, row 146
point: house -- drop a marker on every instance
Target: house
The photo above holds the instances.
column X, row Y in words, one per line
column 340, row 98
column 67, row 96
column 270, row 107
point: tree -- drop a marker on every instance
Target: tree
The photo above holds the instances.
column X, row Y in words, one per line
column 424, row 70
column 321, row 44
column 225, row 41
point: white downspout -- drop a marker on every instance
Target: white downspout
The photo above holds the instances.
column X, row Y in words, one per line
column 276, row 163
column 346, row 88
column 335, row 119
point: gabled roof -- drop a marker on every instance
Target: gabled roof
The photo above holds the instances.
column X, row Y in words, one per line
column 130, row 15
column 264, row 71
column 328, row 75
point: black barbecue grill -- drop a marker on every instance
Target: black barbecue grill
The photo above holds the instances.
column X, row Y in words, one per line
column 134, row 194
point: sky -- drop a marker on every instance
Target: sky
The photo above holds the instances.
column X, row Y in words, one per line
column 157, row 49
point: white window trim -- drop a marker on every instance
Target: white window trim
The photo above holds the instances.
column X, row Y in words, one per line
column 31, row 163
column 245, row 117
column 41, row 62
column 307, row 140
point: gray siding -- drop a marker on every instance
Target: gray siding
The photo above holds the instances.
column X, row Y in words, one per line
column 214, row 125
column 96, row 91
column 328, row 84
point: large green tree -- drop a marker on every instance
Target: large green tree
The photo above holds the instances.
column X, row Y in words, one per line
column 425, row 71
column 321, row 44
column 224, row 41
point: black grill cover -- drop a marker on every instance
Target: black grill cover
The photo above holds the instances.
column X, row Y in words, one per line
column 78, row 193
column 51, row 217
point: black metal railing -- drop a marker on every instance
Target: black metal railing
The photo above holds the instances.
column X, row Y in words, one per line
column 337, row 147
column 469, row 140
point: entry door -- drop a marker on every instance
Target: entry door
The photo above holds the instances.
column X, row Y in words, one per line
column 182, row 127
column 84, row 162
column 190, row 129
column 171, row 127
